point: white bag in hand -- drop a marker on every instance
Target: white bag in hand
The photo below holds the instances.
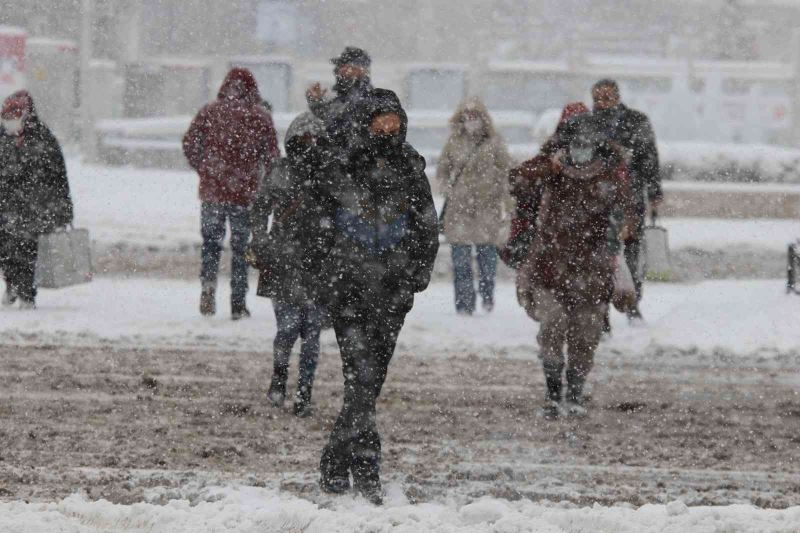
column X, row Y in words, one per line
column 64, row 259
column 656, row 253
column 624, row 297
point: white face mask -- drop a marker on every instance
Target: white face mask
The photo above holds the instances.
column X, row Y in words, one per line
column 581, row 154
column 12, row 126
column 473, row 126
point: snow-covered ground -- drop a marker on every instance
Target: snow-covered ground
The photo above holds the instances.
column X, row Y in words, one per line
column 738, row 317
column 254, row 510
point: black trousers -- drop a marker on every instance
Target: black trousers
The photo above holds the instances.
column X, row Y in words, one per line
column 366, row 342
column 633, row 250
column 18, row 257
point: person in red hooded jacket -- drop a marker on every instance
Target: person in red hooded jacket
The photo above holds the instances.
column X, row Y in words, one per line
column 34, row 195
column 229, row 143
column 527, row 185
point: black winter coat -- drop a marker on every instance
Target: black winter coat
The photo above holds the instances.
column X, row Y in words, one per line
column 34, row 191
column 289, row 252
column 344, row 114
column 385, row 234
column 633, row 131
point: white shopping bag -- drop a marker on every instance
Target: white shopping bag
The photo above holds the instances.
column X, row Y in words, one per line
column 624, row 297
column 656, row 253
column 64, row 259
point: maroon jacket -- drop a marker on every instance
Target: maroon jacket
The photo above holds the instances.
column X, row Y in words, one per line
column 571, row 254
column 229, row 139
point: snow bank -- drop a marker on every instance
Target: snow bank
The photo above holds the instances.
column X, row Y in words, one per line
column 739, row 317
column 247, row 509
column 749, row 163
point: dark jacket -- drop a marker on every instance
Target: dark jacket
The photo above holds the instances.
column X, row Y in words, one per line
column 34, row 191
column 229, row 140
column 633, row 131
column 385, row 226
column 344, row 113
column 572, row 253
column 289, row 253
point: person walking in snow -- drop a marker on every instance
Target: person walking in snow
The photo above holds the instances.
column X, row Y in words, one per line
column 527, row 187
column 473, row 173
column 289, row 252
column 632, row 131
column 229, row 142
column 566, row 282
column 344, row 113
column 34, row 195
column 385, row 242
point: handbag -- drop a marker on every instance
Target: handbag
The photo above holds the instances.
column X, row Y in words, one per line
column 65, row 259
column 656, row 253
column 624, row 295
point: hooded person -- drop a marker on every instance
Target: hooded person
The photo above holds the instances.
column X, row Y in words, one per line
column 289, row 252
column 566, row 281
column 473, row 173
column 343, row 113
column 385, row 242
column 229, row 142
column 527, row 185
column 34, row 194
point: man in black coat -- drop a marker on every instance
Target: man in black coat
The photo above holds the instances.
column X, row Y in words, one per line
column 632, row 130
column 344, row 113
column 384, row 245
column 34, row 194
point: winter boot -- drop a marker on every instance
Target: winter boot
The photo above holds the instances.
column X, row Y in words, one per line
column 27, row 305
column 302, row 401
column 635, row 315
column 607, row 323
column 334, row 474
column 239, row 311
column 208, row 300
column 367, row 482
column 552, row 377
column 277, row 388
column 574, row 400
column 10, row 297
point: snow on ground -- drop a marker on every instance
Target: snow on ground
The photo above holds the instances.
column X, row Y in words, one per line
column 161, row 208
column 263, row 510
column 713, row 234
column 740, row 317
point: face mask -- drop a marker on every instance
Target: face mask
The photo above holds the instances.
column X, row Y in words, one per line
column 380, row 144
column 344, row 85
column 473, row 127
column 12, row 126
column 581, row 155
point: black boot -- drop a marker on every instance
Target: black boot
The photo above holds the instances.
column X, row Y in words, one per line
column 574, row 399
column 208, row 300
column 367, row 481
column 302, row 401
column 239, row 311
column 277, row 389
column 552, row 377
column 334, row 473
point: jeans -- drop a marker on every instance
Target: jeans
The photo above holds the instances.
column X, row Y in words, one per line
column 463, row 276
column 212, row 226
column 296, row 320
column 18, row 258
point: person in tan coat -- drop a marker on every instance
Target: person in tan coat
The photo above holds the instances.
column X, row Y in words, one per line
column 473, row 174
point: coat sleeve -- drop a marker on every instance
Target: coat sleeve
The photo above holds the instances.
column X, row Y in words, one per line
column 271, row 150
column 426, row 227
column 645, row 158
column 194, row 139
column 443, row 168
column 64, row 210
column 503, row 163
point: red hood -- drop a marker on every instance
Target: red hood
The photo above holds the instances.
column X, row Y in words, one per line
column 572, row 110
column 18, row 104
column 240, row 84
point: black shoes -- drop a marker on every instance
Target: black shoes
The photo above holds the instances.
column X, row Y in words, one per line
column 239, row 311
column 277, row 388
column 208, row 300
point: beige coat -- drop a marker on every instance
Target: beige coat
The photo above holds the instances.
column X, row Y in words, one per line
column 473, row 174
